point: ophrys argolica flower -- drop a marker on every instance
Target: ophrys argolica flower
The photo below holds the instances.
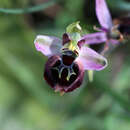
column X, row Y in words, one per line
column 68, row 58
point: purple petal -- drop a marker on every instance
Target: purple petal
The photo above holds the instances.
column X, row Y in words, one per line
column 103, row 14
column 113, row 41
column 65, row 38
column 91, row 60
column 95, row 38
column 48, row 45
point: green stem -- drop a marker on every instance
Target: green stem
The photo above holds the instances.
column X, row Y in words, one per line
column 28, row 10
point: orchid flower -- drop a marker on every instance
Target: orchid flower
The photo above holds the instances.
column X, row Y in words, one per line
column 109, row 32
column 68, row 58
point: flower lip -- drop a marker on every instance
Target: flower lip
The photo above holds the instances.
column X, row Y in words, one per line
column 67, row 78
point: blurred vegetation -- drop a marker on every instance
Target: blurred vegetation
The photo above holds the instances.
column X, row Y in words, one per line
column 28, row 103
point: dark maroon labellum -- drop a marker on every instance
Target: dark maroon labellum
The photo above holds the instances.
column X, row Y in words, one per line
column 67, row 75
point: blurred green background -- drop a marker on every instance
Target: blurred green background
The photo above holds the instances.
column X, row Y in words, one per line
column 28, row 103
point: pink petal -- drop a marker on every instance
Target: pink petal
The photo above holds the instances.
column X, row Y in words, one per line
column 103, row 14
column 95, row 38
column 91, row 60
column 113, row 41
column 48, row 45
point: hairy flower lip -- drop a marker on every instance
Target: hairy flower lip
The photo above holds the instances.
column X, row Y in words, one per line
column 51, row 81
